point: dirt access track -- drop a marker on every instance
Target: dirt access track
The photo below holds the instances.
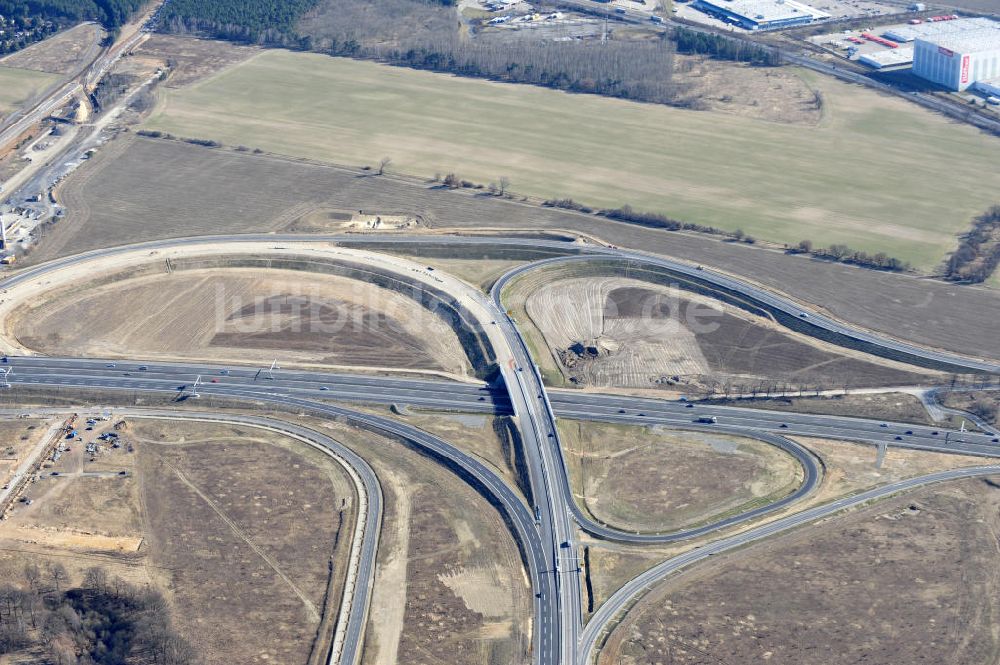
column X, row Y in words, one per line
column 244, row 302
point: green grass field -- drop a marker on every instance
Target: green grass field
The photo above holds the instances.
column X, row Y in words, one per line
column 877, row 173
column 19, row 85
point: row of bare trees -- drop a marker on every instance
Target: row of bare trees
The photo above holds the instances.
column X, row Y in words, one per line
column 978, row 254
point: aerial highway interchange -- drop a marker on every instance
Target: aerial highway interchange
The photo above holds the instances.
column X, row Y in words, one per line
column 545, row 529
column 549, row 522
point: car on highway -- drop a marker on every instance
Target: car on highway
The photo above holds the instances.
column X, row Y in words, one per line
column 111, row 365
column 326, row 388
column 224, row 372
column 143, row 368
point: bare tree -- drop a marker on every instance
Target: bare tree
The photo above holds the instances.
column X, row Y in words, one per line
column 32, row 574
column 383, row 164
column 120, row 586
column 503, row 185
column 96, row 578
column 58, row 573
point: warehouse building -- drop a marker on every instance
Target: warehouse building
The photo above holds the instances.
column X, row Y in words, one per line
column 932, row 29
column 959, row 59
column 761, row 14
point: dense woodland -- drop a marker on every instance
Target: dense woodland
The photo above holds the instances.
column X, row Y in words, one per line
column 107, row 621
column 255, row 21
column 109, row 13
column 724, row 48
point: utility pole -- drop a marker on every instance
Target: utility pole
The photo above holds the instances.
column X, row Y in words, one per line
column 270, row 370
column 194, row 387
column 6, row 372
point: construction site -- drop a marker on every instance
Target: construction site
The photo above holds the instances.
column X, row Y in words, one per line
column 330, row 338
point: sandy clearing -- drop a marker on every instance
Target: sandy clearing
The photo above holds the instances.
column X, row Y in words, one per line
column 633, row 349
column 241, row 314
column 67, row 277
column 388, row 604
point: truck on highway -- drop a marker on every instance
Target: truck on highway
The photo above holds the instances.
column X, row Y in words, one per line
column 709, row 420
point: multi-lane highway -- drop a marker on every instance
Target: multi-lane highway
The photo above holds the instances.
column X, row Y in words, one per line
column 546, row 532
column 475, row 397
column 442, row 395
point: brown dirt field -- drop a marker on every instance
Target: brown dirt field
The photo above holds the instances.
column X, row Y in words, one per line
column 241, row 315
column 898, row 407
column 879, row 586
column 63, row 53
column 185, row 190
column 17, row 438
column 217, row 502
column 450, row 586
column 152, row 527
column 193, row 59
column 657, row 479
column 639, row 335
column 146, row 190
column 848, row 468
column 774, row 94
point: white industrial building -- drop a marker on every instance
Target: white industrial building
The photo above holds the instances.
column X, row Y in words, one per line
column 761, row 14
column 888, row 58
column 931, row 29
column 958, row 60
